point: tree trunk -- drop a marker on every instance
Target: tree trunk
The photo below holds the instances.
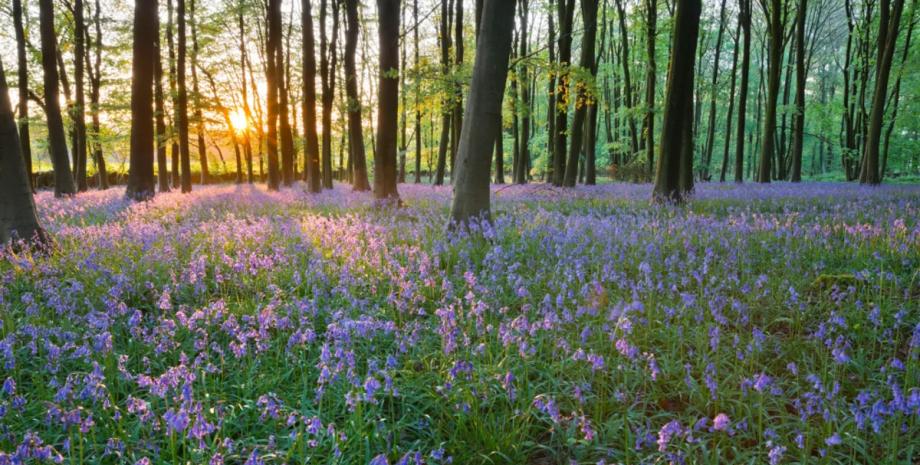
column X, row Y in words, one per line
column 418, row 111
column 551, row 96
column 565, row 10
column 57, row 140
column 775, row 28
column 196, row 96
column 521, row 170
column 328, row 65
column 650, row 78
column 95, row 80
column 355, row 130
column 273, row 46
column 311, row 168
column 140, row 172
column 284, row 117
column 798, row 131
column 247, row 147
column 713, row 90
column 676, row 158
column 471, row 189
column 627, row 81
column 78, row 114
column 23, row 79
column 174, row 146
column 583, row 99
column 446, row 103
column 731, row 104
column 159, row 112
column 744, row 17
column 403, row 105
column 887, row 43
column 385, row 162
column 18, row 219
column 182, row 102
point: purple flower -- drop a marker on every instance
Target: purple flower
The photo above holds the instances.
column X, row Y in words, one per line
column 379, row 460
column 666, row 433
column 721, row 422
column 833, row 440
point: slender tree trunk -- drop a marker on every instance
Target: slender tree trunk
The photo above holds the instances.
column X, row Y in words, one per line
column 457, row 109
column 328, row 65
column 627, row 81
column 583, row 99
column 896, row 98
column 79, row 110
column 650, row 80
column 196, row 97
column 284, row 117
column 247, row 147
column 713, row 90
column 311, row 141
column 18, row 219
column 418, row 99
column 676, row 158
column 385, row 161
column 744, row 17
column 170, row 43
column 140, row 172
column 57, row 140
column 19, row 14
column 471, row 189
column 521, row 170
column 159, row 112
column 551, row 95
column 798, row 131
column 887, row 43
column 355, row 132
column 446, row 103
column 403, row 106
column 182, row 102
column 731, row 104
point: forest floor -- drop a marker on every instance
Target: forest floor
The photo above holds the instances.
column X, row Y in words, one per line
column 776, row 323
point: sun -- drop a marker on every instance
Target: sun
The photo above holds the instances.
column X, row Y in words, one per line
column 238, row 120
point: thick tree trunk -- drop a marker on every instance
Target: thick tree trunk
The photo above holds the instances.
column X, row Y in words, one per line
column 18, row 219
column 23, row 78
column 284, row 116
column 565, row 10
column 583, row 99
column 57, row 140
column 385, row 168
column 311, row 168
column 355, row 129
column 775, row 30
column 140, row 172
column 676, row 158
column 471, row 189
column 273, row 46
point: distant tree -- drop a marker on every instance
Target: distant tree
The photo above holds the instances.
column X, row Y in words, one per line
column 625, row 60
column 328, row 64
column 247, row 111
column 171, row 46
column 140, row 170
column 18, row 219
column 418, row 110
column 355, row 132
column 162, row 137
column 57, row 140
column 493, row 47
column 196, row 97
column 79, row 109
column 385, row 169
column 744, row 17
column 94, row 71
column 713, row 93
column 676, row 157
column 731, row 103
column 311, row 168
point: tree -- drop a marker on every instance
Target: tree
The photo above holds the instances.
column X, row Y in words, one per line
column 775, row 13
column 418, row 110
column 182, row 102
column 171, row 46
column 23, row 75
column 196, row 96
column 676, row 157
column 18, row 219
column 328, row 64
column 490, row 69
column 355, row 132
column 744, row 17
column 731, row 103
column 385, row 169
column 78, row 113
column 311, row 169
column 159, row 113
column 565, row 10
column 273, row 46
column 651, row 7
column 887, row 41
column 446, row 101
column 94, row 70
column 520, row 171
column 798, row 121
column 57, row 141
column 140, row 171
column 584, row 99
column 713, row 91
column 627, row 81
column 247, row 148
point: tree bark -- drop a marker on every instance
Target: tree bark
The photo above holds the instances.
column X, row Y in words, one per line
column 140, row 172
column 584, row 100
column 385, row 162
column 311, row 168
column 446, row 102
column 79, row 110
column 18, row 219
column 328, row 64
column 676, row 157
column 273, row 46
column 159, row 113
column 418, row 99
column 57, row 140
column 713, row 90
column 355, row 130
column 627, row 80
column 521, row 171
column 744, row 17
column 23, row 78
column 775, row 28
column 196, row 97
column 182, row 102
column 171, row 46
column 798, row 131
column 731, row 104
column 471, row 189
column 650, row 79
column 95, row 83
column 565, row 10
